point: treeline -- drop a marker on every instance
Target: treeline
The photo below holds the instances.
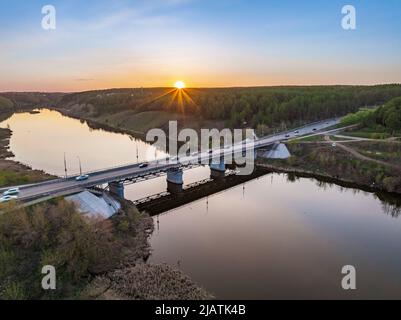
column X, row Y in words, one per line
column 28, row 100
column 290, row 106
column 386, row 118
column 258, row 106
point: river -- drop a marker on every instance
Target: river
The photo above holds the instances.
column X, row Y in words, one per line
column 270, row 238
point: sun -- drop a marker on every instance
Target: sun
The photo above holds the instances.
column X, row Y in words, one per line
column 179, row 85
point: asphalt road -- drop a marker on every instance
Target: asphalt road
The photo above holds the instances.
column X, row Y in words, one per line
column 58, row 187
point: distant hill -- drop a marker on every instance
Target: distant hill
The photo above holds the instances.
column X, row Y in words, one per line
column 258, row 106
column 263, row 108
column 5, row 104
column 29, row 100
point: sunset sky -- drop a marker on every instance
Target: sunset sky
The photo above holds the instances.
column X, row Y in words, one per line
column 205, row 43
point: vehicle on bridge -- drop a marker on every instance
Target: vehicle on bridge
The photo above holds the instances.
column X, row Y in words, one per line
column 82, row 177
column 4, row 199
column 143, row 165
column 11, row 192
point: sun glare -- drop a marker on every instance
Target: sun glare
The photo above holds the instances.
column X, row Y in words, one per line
column 179, row 85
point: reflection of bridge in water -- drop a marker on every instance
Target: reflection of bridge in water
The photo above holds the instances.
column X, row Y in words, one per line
column 166, row 200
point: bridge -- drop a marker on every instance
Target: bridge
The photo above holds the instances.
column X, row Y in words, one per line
column 115, row 177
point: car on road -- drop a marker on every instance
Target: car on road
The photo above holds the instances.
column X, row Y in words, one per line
column 287, row 135
column 11, row 192
column 296, row 132
column 210, row 151
column 82, row 177
column 143, row 165
column 4, row 199
column 194, row 153
column 314, row 129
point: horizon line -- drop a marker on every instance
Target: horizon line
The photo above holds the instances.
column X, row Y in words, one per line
column 208, row 87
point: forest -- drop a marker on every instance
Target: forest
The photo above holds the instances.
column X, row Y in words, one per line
column 386, row 118
column 256, row 106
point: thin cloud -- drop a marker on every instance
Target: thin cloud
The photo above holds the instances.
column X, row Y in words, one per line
column 85, row 79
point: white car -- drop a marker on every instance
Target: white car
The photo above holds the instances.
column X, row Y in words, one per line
column 7, row 198
column 11, row 192
column 82, row 177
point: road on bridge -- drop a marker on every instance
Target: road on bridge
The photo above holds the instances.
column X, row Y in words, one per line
column 63, row 187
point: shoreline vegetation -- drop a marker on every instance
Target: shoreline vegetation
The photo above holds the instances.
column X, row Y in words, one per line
column 95, row 273
column 94, row 258
column 128, row 276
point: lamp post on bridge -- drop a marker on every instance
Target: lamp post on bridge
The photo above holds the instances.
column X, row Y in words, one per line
column 80, row 167
column 65, row 166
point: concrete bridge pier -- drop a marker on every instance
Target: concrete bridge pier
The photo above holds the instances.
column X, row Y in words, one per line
column 277, row 151
column 117, row 189
column 174, row 180
column 217, row 170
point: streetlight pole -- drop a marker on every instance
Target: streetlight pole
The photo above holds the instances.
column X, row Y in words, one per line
column 65, row 166
column 80, row 167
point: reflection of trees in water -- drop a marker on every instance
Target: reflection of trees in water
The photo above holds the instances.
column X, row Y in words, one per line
column 292, row 177
column 391, row 210
column 391, row 203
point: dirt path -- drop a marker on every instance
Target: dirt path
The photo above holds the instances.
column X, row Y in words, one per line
column 360, row 156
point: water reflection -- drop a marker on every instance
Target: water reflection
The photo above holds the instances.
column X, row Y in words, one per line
column 283, row 236
column 391, row 203
column 40, row 140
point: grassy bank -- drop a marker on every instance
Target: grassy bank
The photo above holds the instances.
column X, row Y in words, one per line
column 138, row 124
column 333, row 162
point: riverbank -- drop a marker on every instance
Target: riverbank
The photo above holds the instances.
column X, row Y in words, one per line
column 134, row 278
column 339, row 166
column 12, row 172
column 137, row 124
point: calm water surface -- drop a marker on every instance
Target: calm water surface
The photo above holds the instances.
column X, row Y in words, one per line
column 41, row 140
column 269, row 238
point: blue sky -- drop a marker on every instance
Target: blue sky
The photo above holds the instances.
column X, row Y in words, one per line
column 133, row 43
